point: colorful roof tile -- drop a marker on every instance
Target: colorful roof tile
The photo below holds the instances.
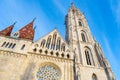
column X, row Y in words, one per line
column 27, row 32
column 7, row 31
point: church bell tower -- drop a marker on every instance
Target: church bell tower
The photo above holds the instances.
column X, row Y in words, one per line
column 89, row 62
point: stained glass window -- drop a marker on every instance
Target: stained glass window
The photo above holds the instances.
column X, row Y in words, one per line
column 48, row 72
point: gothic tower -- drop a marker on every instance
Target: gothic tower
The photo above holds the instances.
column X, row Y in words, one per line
column 89, row 60
column 80, row 57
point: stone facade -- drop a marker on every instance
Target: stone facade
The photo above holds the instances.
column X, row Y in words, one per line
column 79, row 57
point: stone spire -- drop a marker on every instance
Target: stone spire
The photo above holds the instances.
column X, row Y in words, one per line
column 72, row 5
column 7, row 31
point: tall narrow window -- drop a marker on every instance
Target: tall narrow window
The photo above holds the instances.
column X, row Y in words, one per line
column 48, row 42
column 84, row 36
column 23, row 46
column 63, row 47
column 58, row 44
column 3, row 44
column 53, row 41
column 88, row 56
column 7, row 44
column 94, row 77
column 13, row 45
column 10, row 45
column 42, row 43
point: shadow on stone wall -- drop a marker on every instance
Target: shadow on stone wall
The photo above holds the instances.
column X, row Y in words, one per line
column 28, row 74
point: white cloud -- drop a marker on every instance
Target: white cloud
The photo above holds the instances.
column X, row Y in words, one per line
column 115, row 6
column 60, row 6
column 111, row 55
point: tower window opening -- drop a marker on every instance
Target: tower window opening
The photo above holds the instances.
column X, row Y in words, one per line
column 84, row 37
column 73, row 11
column 87, row 54
column 58, row 44
column 80, row 23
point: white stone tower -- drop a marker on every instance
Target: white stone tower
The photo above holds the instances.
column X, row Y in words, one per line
column 80, row 57
column 90, row 62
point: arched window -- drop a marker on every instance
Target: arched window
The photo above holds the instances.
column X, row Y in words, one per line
column 7, row 44
column 10, row 45
column 94, row 77
column 58, row 44
column 23, row 46
column 48, row 42
column 84, row 36
column 53, row 41
column 13, row 45
column 63, row 47
column 43, row 43
column 88, row 56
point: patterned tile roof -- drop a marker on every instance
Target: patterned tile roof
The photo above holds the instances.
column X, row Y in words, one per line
column 7, row 31
column 27, row 32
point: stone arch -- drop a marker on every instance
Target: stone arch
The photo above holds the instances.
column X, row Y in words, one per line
column 84, row 36
column 94, row 77
column 88, row 55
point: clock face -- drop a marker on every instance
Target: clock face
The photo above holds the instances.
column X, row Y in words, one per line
column 15, row 35
column 48, row 72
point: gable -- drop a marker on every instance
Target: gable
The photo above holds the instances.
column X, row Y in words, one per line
column 52, row 42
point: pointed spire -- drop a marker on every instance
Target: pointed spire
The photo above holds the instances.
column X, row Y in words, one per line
column 7, row 31
column 14, row 23
column 34, row 19
column 27, row 32
column 72, row 5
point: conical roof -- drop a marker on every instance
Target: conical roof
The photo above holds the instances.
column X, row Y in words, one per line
column 27, row 32
column 7, row 31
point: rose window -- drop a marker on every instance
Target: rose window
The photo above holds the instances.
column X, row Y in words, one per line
column 48, row 72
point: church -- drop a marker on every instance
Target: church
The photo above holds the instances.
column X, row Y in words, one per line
column 78, row 57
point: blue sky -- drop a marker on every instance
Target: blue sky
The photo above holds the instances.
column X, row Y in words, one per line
column 103, row 17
